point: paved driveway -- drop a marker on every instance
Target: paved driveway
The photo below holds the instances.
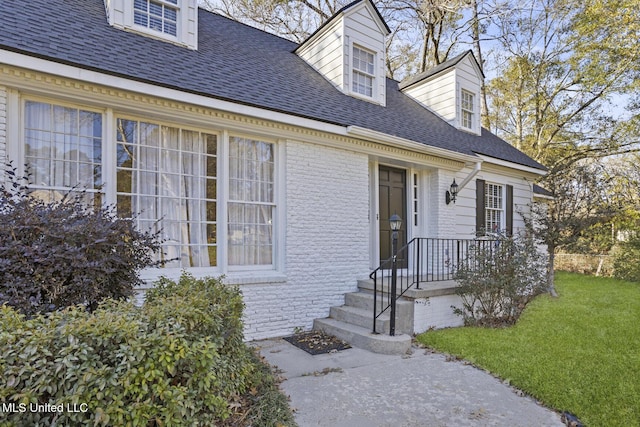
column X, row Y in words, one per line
column 357, row 388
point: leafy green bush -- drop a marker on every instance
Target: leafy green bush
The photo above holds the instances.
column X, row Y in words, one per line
column 59, row 254
column 178, row 360
column 626, row 260
column 498, row 278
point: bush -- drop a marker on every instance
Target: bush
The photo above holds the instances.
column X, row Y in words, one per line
column 178, row 360
column 59, row 254
column 498, row 278
column 626, row 260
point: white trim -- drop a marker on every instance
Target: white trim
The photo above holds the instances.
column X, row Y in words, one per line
column 511, row 165
column 384, row 138
column 374, row 209
column 104, row 79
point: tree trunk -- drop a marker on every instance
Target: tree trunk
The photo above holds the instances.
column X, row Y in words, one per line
column 477, row 50
column 551, row 276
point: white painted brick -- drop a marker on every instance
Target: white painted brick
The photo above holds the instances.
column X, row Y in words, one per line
column 327, row 241
column 3, row 130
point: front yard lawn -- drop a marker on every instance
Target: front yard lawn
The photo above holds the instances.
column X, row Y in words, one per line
column 578, row 353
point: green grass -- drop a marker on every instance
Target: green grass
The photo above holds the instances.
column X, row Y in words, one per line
column 579, row 352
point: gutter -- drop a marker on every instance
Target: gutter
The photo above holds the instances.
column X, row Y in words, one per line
column 471, row 175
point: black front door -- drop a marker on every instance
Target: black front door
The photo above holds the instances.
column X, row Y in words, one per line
column 393, row 199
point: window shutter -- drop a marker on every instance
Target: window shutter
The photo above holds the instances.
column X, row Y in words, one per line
column 509, row 210
column 480, row 207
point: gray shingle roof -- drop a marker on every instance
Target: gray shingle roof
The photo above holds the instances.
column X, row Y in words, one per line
column 233, row 62
column 437, row 69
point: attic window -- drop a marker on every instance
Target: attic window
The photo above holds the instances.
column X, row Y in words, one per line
column 467, row 109
column 158, row 15
column 363, row 72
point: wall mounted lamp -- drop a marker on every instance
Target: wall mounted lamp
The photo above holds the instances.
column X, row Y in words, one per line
column 450, row 196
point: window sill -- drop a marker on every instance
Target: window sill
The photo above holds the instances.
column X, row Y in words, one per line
column 231, row 278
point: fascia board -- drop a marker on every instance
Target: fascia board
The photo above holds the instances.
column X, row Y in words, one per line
column 512, row 165
column 103, row 79
column 375, row 136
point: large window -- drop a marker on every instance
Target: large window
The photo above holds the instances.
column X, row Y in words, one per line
column 170, row 174
column 63, row 150
column 363, row 72
column 165, row 178
column 494, row 207
column 158, row 15
column 467, row 100
column 251, row 202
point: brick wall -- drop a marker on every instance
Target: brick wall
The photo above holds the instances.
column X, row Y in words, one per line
column 3, row 130
column 327, row 241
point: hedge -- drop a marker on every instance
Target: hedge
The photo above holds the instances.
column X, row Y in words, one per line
column 177, row 360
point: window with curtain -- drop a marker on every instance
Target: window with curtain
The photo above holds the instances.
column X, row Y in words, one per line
column 251, row 202
column 166, row 178
column 63, row 150
column 494, row 207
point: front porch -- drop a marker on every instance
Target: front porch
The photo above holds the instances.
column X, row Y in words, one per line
column 417, row 310
column 425, row 290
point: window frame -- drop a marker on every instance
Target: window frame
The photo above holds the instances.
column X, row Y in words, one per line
column 275, row 212
column 148, row 29
column 467, row 108
column 160, row 198
column 489, row 207
column 109, row 189
column 355, row 71
column 20, row 152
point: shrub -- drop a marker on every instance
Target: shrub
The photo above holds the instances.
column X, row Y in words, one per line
column 62, row 253
column 126, row 365
column 626, row 259
column 498, row 278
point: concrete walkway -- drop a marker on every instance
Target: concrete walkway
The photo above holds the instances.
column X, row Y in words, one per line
column 356, row 388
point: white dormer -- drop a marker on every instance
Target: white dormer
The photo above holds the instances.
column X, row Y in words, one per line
column 349, row 51
column 451, row 90
column 175, row 21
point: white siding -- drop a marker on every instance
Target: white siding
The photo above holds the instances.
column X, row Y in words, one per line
column 362, row 29
column 441, row 92
column 469, row 79
column 325, row 53
column 438, row 94
column 329, row 52
column 465, row 210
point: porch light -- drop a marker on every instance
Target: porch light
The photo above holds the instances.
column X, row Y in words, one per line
column 450, row 196
column 395, row 222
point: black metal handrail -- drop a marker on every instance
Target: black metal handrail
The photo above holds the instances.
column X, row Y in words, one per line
column 423, row 260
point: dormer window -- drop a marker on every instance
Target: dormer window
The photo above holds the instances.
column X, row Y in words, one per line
column 467, row 103
column 363, row 72
column 158, row 15
column 173, row 21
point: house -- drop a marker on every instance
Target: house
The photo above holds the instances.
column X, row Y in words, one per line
column 275, row 164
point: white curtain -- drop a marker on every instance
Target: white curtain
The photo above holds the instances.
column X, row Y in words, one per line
column 168, row 183
column 251, row 202
column 63, row 148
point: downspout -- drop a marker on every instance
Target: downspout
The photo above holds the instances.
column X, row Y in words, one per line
column 471, row 175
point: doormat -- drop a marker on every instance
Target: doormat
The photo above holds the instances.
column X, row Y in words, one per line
column 317, row 342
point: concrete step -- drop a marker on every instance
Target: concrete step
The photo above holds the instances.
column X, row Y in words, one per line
column 360, row 317
column 364, row 300
column 363, row 338
column 427, row 289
